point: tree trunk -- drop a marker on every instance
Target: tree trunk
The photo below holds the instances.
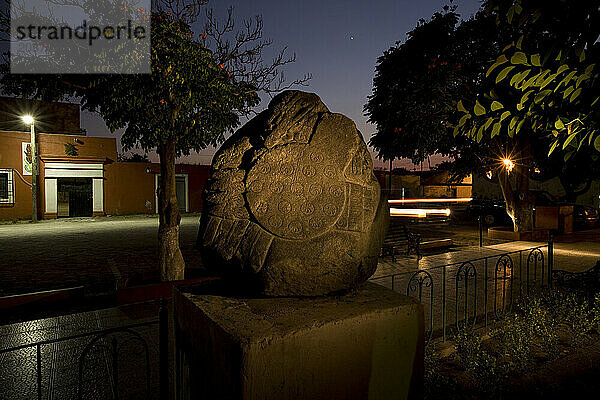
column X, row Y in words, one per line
column 171, row 264
column 519, row 202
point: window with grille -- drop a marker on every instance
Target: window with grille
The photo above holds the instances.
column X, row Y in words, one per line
column 6, row 186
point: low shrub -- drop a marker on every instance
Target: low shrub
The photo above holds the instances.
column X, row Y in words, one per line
column 524, row 338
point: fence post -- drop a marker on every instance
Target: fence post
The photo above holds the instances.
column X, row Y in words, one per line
column 39, row 371
column 163, row 328
column 550, row 258
column 115, row 367
column 480, row 231
column 444, row 303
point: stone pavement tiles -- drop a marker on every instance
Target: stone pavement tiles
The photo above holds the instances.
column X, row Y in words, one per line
column 60, row 360
column 94, row 252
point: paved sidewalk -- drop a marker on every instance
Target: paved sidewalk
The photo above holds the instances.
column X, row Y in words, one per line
column 65, row 338
column 106, row 252
column 98, row 253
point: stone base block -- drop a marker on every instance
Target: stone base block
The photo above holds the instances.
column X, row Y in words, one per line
column 366, row 344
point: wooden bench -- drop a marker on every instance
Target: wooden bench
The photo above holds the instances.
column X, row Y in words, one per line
column 436, row 244
column 397, row 236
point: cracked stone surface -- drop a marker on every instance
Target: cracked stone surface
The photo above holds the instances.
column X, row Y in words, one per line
column 292, row 206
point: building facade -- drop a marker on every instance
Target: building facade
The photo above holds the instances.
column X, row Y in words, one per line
column 79, row 176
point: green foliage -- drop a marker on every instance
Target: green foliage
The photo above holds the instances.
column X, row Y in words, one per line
column 71, row 150
column 547, row 91
column 481, row 364
column 424, row 85
column 435, row 381
column 515, row 346
column 133, row 157
column 530, row 332
column 189, row 98
column 576, row 313
column 418, row 83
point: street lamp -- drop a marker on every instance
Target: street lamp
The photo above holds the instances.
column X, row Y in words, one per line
column 29, row 120
column 508, row 164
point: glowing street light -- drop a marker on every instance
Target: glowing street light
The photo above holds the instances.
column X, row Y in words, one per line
column 29, row 120
column 508, row 164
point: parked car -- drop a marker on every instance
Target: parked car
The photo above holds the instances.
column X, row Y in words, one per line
column 584, row 216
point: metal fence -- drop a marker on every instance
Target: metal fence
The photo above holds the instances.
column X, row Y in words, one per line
column 108, row 346
column 476, row 292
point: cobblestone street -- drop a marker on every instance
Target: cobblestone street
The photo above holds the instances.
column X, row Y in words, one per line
column 98, row 253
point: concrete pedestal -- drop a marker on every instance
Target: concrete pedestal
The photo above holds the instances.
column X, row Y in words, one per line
column 367, row 344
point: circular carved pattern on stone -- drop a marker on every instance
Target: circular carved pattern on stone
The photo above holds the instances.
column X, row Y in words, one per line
column 336, row 190
column 264, row 169
column 296, row 188
column 295, row 228
column 315, row 189
column 296, row 191
column 287, row 169
column 330, row 210
column 316, row 157
column 284, row 207
column 329, row 171
column 315, row 223
column 275, row 221
column 256, row 186
column 309, row 170
column 276, row 187
column 307, row 208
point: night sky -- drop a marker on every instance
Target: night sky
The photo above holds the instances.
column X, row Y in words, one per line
column 337, row 41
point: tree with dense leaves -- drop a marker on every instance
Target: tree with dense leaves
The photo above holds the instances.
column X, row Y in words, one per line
column 198, row 88
column 418, row 85
column 544, row 89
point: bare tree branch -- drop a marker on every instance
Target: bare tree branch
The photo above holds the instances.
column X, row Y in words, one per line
column 240, row 53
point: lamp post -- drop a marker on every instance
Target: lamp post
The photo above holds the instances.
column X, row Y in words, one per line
column 28, row 120
column 508, row 164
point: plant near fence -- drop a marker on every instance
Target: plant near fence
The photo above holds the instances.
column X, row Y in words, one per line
column 475, row 292
column 534, row 332
column 578, row 315
column 484, row 371
column 529, row 333
column 437, row 384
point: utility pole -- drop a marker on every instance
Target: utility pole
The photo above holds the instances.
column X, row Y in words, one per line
column 28, row 119
column 390, row 181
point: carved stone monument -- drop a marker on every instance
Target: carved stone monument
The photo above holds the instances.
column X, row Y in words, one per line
column 292, row 212
column 292, row 205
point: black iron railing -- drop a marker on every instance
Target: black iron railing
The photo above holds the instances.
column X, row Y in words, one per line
column 112, row 341
column 476, row 291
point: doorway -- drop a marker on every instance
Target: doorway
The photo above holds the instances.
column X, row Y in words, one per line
column 181, row 190
column 75, row 197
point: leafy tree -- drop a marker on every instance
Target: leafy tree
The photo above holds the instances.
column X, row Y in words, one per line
column 133, row 157
column 419, row 81
column 199, row 87
column 540, row 91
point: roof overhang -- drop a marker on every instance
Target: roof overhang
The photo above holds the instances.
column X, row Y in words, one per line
column 78, row 160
